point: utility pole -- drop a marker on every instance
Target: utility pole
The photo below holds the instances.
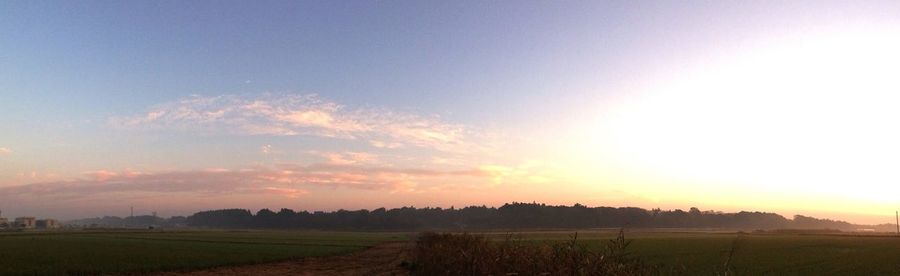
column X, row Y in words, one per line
column 132, row 211
column 897, row 215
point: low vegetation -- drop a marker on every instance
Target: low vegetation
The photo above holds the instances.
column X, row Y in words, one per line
column 469, row 254
column 656, row 253
column 770, row 253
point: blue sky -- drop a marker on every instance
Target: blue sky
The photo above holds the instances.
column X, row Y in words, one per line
column 447, row 56
column 520, row 96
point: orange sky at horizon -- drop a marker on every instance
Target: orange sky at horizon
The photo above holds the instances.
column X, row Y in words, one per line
column 710, row 105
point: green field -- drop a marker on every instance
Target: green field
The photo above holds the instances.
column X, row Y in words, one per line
column 691, row 253
column 96, row 252
column 696, row 253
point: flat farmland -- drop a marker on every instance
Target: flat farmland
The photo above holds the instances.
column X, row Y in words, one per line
column 114, row 252
column 683, row 253
column 705, row 253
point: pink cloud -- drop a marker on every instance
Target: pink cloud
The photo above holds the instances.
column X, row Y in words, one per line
column 270, row 186
column 102, row 175
column 5, row 151
column 260, row 180
column 347, row 158
column 286, row 192
column 385, row 145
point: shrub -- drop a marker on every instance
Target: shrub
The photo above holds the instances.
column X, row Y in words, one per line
column 469, row 254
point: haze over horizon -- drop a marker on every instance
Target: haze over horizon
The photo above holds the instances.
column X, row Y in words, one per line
column 178, row 107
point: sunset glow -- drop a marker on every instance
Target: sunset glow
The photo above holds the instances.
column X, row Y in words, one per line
column 174, row 109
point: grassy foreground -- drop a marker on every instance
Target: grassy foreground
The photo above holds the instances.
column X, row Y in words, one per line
column 110, row 252
column 754, row 254
column 688, row 253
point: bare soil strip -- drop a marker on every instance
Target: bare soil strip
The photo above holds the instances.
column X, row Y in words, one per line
column 384, row 259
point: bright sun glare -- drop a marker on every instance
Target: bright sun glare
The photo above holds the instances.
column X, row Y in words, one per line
column 816, row 114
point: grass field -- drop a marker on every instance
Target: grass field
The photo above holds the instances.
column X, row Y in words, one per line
column 693, row 253
column 106, row 252
column 698, row 253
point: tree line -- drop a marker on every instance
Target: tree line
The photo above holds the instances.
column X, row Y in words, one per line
column 514, row 215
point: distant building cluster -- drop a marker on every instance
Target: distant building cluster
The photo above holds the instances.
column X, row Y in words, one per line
column 28, row 223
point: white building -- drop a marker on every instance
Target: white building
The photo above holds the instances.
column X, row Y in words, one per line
column 4, row 223
column 25, row 222
column 47, row 224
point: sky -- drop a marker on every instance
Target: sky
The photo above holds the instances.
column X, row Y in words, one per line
column 181, row 106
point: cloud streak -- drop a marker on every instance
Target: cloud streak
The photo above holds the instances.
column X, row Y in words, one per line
column 5, row 151
column 347, row 158
column 286, row 180
column 287, row 115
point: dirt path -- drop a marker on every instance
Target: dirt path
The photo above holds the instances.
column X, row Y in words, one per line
column 383, row 259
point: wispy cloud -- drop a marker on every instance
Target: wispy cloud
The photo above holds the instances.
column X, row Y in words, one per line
column 282, row 185
column 287, row 180
column 280, row 115
column 286, row 192
column 347, row 158
column 5, row 151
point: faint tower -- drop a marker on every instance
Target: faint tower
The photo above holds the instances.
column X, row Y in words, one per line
column 132, row 212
